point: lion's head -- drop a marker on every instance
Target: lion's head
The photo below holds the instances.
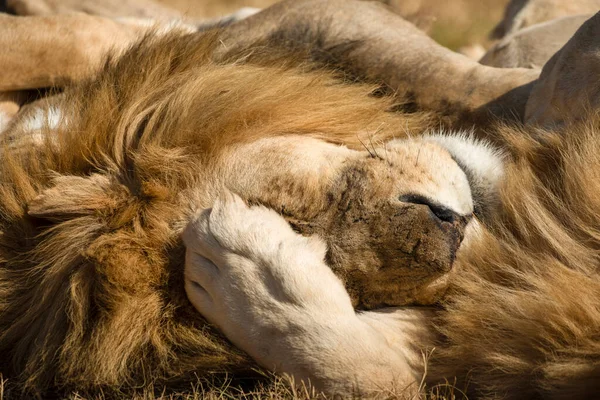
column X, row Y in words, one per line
column 90, row 256
column 393, row 215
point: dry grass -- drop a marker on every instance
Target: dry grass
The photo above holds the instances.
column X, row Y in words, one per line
column 454, row 23
column 274, row 389
column 271, row 387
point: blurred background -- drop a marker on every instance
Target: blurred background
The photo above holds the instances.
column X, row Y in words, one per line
column 452, row 23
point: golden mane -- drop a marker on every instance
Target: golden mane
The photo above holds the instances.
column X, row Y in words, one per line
column 91, row 291
column 91, row 282
column 523, row 317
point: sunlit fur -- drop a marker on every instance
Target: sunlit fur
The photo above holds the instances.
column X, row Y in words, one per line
column 523, row 318
column 520, row 320
column 91, row 274
column 91, row 263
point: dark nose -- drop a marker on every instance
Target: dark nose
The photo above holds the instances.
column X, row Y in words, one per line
column 440, row 212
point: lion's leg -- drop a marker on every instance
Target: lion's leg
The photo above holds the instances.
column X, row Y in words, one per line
column 104, row 8
column 268, row 289
column 57, row 50
column 142, row 10
column 370, row 41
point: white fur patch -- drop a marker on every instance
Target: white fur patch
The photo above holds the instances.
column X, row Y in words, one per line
column 480, row 156
column 482, row 163
column 34, row 126
column 43, row 119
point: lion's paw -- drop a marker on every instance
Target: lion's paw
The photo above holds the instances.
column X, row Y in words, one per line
column 250, row 274
column 232, row 227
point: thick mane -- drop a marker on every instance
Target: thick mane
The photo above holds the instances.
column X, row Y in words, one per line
column 91, row 291
column 91, row 263
column 524, row 316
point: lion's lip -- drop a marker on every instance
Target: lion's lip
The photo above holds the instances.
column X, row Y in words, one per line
column 422, row 295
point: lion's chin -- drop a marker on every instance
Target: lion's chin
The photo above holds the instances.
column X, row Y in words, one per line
column 427, row 294
column 434, row 291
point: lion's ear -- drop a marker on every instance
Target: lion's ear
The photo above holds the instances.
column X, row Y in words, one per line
column 70, row 196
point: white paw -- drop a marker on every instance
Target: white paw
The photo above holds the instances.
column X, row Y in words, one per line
column 250, row 274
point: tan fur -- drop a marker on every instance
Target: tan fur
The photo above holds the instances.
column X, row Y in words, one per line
column 380, row 46
column 46, row 51
column 41, row 54
column 520, row 321
column 564, row 91
column 60, row 43
column 105, row 8
column 10, row 104
column 410, row 10
column 473, row 51
column 136, row 12
column 520, row 14
column 533, row 46
column 91, row 276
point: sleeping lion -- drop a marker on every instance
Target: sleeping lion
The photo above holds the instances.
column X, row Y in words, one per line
column 98, row 186
column 185, row 195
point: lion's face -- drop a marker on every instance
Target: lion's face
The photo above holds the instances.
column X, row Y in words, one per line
column 393, row 217
column 396, row 222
